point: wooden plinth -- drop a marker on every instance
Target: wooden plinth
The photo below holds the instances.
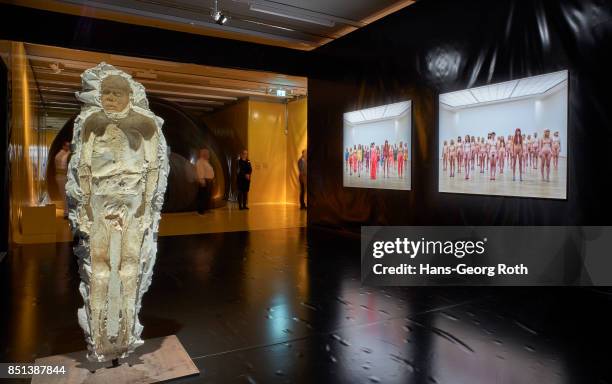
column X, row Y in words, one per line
column 157, row 360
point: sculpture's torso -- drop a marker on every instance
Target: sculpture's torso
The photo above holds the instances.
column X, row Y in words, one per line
column 116, row 168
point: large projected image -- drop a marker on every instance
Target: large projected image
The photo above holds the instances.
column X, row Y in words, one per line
column 377, row 147
column 506, row 139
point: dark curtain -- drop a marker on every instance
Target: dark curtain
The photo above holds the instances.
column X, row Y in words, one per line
column 437, row 46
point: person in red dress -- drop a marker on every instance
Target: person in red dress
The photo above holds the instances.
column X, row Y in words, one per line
column 400, row 160
column 373, row 162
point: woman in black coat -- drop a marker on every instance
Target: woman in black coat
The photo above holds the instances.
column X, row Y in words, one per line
column 243, row 181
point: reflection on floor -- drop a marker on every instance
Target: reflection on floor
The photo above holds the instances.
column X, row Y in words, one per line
column 531, row 186
column 225, row 219
column 231, row 219
column 278, row 306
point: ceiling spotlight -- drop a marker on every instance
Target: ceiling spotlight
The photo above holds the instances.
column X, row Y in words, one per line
column 217, row 15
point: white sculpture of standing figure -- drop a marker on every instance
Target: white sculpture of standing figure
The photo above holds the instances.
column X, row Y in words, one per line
column 116, row 183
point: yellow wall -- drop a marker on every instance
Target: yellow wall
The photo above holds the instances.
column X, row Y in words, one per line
column 267, row 152
column 274, row 146
column 22, row 136
column 296, row 143
column 277, row 134
column 231, row 124
column 27, row 184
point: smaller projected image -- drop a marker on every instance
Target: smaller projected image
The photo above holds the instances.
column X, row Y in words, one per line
column 506, row 139
column 377, row 147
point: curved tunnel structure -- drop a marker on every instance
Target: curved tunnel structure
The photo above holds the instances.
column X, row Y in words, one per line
column 185, row 136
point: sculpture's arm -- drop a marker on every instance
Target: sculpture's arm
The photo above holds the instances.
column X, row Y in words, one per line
column 84, row 172
column 151, row 174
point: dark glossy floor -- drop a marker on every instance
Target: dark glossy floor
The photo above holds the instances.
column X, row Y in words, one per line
column 287, row 306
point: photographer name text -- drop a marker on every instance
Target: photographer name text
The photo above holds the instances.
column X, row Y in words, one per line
column 459, row 269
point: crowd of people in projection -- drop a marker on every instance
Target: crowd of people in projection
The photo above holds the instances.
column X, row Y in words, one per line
column 376, row 161
column 496, row 154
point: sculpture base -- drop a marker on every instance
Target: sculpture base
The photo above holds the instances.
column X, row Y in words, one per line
column 157, row 360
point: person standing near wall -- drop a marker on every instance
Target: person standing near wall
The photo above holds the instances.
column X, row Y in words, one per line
column 243, row 181
column 61, row 172
column 302, row 170
column 206, row 176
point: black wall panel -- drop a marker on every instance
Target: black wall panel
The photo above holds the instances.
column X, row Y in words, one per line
column 436, row 46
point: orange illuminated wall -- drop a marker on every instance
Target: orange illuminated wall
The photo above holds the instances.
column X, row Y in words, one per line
column 23, row 136
column 268, row 152
column 30, row 220
column 296, row 143
column 275, row 134
column 231, row 124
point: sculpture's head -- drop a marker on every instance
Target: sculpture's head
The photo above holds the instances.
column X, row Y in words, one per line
column 115, row 93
